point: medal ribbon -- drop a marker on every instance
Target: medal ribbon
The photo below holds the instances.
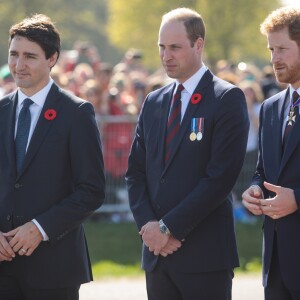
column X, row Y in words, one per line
column 200, row 124
column 296, row 103
column 194, row 125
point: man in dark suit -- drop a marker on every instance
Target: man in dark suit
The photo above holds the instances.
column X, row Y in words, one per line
column 277, row 173
column 180, row 175
column 51, row 171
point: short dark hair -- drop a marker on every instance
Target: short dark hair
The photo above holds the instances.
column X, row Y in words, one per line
column 41, row 30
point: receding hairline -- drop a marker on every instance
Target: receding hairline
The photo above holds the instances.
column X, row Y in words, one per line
column 181, row 14
column 191, row 20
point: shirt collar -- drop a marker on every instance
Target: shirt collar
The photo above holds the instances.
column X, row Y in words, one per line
column 292, row 90
column 38, row 98
column 191, row 84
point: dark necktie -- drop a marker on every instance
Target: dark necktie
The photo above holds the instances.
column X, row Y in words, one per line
column 173, row 122
column 292, row 117
column 23, row 128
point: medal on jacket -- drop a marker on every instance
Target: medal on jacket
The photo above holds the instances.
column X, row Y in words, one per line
column 197, row 127
column 200, row 129
column 292, row 116
column 193, row 134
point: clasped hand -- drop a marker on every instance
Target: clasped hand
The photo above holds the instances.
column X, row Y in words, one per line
column 22, row 240
column 283, row 204
column 157, row 242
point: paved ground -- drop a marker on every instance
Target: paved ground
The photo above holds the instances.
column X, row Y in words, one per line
column 244, row 288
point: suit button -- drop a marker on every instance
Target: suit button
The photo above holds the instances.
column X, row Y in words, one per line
column 18, row 185
column 162, row 180
column 8, row 217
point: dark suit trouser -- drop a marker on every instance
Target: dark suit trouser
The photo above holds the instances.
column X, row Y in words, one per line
column 165, row 282
column 13, row 285
column 276, row 289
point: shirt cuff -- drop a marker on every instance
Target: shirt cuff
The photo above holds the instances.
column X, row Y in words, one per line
column 44, row 234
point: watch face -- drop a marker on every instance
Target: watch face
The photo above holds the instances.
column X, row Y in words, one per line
column 163, row 228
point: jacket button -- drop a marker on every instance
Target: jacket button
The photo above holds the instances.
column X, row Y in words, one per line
column 162, row 180
column 8, row 217
column 17, row 185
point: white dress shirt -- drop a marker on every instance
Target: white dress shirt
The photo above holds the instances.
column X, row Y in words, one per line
column 189, row 88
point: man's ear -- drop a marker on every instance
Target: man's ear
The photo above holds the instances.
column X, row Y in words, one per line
column 53, row 60
column 199, row 44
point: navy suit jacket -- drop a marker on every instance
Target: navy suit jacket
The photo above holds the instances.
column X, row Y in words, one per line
column 60, row 185
column 192, row 192
column 280, row 167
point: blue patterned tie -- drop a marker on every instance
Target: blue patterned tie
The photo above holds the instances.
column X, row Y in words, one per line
column 23, row 128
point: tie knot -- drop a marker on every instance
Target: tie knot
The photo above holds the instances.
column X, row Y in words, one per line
column 295, row 96
column 180, row 88
column 27, row 102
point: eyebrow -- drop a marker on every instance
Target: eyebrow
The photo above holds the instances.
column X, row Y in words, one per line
column 25, row 53
column 171, row 45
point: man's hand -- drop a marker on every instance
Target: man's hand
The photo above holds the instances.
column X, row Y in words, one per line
column 6, row 251
column 172, row 246
column 153, row 238
column 251, row 199
column 283, row 204
column 24, row 239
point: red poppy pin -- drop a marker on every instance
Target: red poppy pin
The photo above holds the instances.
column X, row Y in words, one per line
column 196, row 98
column 50, row 114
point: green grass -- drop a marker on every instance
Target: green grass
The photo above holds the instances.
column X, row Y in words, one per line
column 249, row 239
column 115, row 249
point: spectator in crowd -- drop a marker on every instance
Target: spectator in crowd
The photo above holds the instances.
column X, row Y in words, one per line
column 184, row 160
column 87, row 53
column 7, row 84
column 92, row 92
column 268, row 83
column 132, row 62
column 51, row 169
column 117, row 138
column 275, row 189
column 254, row 98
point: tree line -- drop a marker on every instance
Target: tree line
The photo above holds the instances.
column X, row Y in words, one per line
column 113, row 26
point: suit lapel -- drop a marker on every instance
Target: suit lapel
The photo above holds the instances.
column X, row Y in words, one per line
column 291, row 143
column 9, row 118
column 43, row 125
column 277, row 121
column 190, row 112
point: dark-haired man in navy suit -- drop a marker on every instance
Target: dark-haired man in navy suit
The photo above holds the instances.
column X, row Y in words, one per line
column 51, row 171
column 184, row 161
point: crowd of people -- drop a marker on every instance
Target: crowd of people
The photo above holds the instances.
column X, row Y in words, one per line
column 180, row 165
column 117, row 93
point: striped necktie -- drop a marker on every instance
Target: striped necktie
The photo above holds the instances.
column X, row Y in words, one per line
column 173, row 125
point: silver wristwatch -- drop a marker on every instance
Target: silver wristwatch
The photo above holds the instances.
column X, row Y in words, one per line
column 163, row 228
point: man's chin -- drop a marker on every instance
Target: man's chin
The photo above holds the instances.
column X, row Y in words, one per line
column 281, row 78
column 171, row 74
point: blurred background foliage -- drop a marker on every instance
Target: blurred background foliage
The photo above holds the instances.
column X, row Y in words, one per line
column 113, row 26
